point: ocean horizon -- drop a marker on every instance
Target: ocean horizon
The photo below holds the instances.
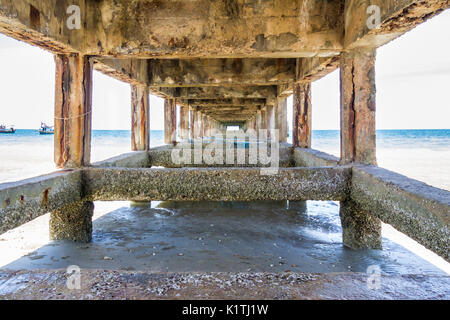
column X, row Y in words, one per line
column 422, row 154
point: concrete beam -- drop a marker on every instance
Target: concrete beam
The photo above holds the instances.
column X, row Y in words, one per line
column 412, row 207
column 218, row 184
column 220, row 72
column 162, row 156
column 132, row 71
column 395, row 16
column 240, row 92
column 237, row 102
column 23, row 201
column 312, row 69
column 137, row 159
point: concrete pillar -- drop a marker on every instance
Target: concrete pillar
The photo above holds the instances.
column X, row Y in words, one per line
column 270, row 124
column 184, row 123
column 170, row 121
column 140, row 118
column 204, row 124
column 360, row 230
column 192, row 117
column 301, row 117
column 72, row 222
column 263, row 118
column 281, row 118
column 358, row 139
column 72, row 140
column 197, row 124
column 258, row 120
column 73, row 111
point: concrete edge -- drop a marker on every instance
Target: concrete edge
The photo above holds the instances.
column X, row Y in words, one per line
column 136, row 159
column 418, row 210
column 23, row 201
column 217, row 184
column 303, row 157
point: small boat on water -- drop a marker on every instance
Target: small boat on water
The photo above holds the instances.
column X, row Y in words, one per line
column 4, row 129
column 45, row 129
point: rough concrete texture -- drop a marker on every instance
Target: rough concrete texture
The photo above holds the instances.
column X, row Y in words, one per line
column 137, row 159
column 302, row 115
column 360, row 229
column 420, row 211
column 209, row 92
column 162, row 157
column 25, row 200
column 213, row 72
column 304, row 157
column 397, row 17
column 72, row 222
column 140, row 118
column 73, row 111
column 219, row 184
column 103, row 284
column 358, row 94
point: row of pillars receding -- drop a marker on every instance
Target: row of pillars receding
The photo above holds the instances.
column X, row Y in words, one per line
column 73, row 108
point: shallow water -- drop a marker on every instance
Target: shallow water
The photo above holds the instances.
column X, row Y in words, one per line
column 263, row 236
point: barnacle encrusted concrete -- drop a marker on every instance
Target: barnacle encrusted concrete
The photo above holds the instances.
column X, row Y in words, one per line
column 163, row 156
column 26, row 200
column 360, row 229
column 220, row 184
column 412, row 207
column 72, row 222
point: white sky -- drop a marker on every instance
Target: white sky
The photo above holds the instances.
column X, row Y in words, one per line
column 413, row 86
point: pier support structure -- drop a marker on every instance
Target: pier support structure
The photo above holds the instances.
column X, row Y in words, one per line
column 73, row 111
column 281, row 118
column 270, row 125
column 358, row 141
column 184, row 123
column 140, row 118
column 72, row 222
column 170, row 121
column 227, row 73
column 301, row 116
column 72, row 140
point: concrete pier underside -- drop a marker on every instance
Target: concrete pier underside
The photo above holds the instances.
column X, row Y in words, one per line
column 420, row 211
column 227, row 64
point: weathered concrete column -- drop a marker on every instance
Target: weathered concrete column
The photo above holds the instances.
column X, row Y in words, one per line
column 258, row 121
column 184, row 123
column 170, row 121
column 197, row 124
column 204, row 124
column 192, row 117
column 140, row 118
column 270, row 124
column 73, row 111
column 301, row 116
column 72, row 222
column 360, row 230
column 358, row 93
column 281, row 118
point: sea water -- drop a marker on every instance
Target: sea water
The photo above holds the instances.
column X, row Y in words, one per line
column 419, row 154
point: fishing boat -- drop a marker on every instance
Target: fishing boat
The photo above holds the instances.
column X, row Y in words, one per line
column 4, row 129
column 45, row 129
